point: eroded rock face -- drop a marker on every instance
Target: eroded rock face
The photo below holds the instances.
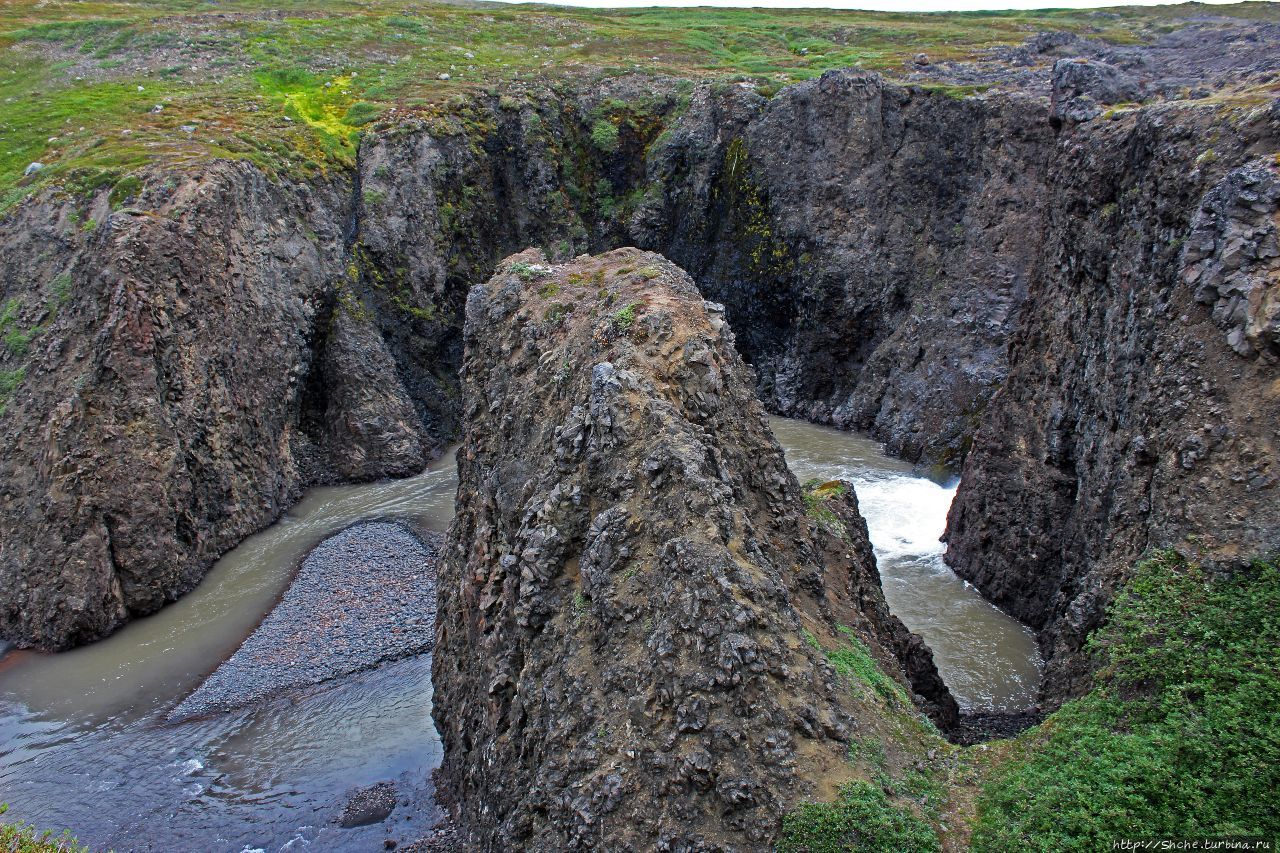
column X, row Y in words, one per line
column 1081, row 87
column 633, row 598
column 872, row 244
column 189, row 370
column 1141, row 407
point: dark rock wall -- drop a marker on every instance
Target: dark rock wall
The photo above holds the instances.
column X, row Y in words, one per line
column 872, row 242
column 1141, row 407
column 155, row 423
column 632, row 597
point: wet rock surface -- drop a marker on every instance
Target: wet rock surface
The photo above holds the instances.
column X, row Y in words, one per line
column 635, row 596
column 362, row 597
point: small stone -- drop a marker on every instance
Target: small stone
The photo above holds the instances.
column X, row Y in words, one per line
column 369, row 805
column 32, row 169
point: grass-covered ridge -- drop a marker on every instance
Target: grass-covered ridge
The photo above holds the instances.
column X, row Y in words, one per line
column 1181, row 736
column 93, row 90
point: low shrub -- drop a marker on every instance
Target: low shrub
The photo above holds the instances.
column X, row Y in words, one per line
column 1180, row 736
column 862, row 818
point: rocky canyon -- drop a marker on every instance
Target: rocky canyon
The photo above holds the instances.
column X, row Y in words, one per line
column 1045, row 270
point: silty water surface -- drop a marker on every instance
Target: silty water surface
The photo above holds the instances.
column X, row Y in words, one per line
column 82, row 744
column 987, row 658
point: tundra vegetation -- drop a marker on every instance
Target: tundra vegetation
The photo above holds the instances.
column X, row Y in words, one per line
column 92, row 92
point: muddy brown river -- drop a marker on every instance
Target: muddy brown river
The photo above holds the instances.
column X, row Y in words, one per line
column 83, row 745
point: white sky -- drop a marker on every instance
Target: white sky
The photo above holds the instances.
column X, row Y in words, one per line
column 877, row 5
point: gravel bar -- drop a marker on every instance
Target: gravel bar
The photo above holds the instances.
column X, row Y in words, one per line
column 362, row 597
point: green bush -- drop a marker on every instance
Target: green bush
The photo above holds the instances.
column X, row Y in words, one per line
column 22, row 838
column 604, row 135
column 862, row 818
column 1179, row 738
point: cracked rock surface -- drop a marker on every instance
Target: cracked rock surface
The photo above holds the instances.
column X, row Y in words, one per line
column 634, row 600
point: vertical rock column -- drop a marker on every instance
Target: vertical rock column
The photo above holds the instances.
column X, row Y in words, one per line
column 634, row 603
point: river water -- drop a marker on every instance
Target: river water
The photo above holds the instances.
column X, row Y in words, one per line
column 83, row 745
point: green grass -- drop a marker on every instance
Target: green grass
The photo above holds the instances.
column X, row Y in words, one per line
column 526, row 271
column 236, row 70
column 816, row 494
column 862, row 818
column 853, row 659
column 1181, row 735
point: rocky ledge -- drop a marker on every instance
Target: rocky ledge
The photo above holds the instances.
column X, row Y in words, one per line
column 362, row 597
column 639, row 606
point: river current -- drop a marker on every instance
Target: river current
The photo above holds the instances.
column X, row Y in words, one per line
column 83, row 745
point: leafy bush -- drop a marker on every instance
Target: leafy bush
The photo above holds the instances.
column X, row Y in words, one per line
column 22, row 838
column 862, row 818
column 604, row 135
column 1179, row 738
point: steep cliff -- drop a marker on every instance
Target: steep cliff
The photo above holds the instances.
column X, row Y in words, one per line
column 634, row 601
column 184, row 366
column 872, row 242
column 1141, row 406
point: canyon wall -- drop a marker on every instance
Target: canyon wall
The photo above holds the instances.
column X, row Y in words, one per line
column 1142, row 404
column 186, row 364
column 635, row 594
column 1077, row 306
column 872, row 243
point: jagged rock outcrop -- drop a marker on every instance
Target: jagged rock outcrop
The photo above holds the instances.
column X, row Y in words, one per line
column 633, row 600
column 1080, row 88
column 1141, row 408
column 184, row 371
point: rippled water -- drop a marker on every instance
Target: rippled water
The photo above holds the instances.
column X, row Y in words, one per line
column 82, row 743
column 988, row 659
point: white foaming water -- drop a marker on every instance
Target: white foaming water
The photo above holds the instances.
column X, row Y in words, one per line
column 905, row 515
column 988, row 659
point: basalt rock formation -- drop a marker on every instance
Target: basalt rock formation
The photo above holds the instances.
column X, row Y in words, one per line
column 996, row 281
column 1142, row 403
column 190, row 369
column 633, row 602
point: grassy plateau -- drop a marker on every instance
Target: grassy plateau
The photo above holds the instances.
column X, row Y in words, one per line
column 94, row 89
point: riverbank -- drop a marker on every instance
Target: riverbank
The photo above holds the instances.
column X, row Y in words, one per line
column 362, row 597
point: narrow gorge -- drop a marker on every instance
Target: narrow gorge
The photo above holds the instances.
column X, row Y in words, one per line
column 1053, row 273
